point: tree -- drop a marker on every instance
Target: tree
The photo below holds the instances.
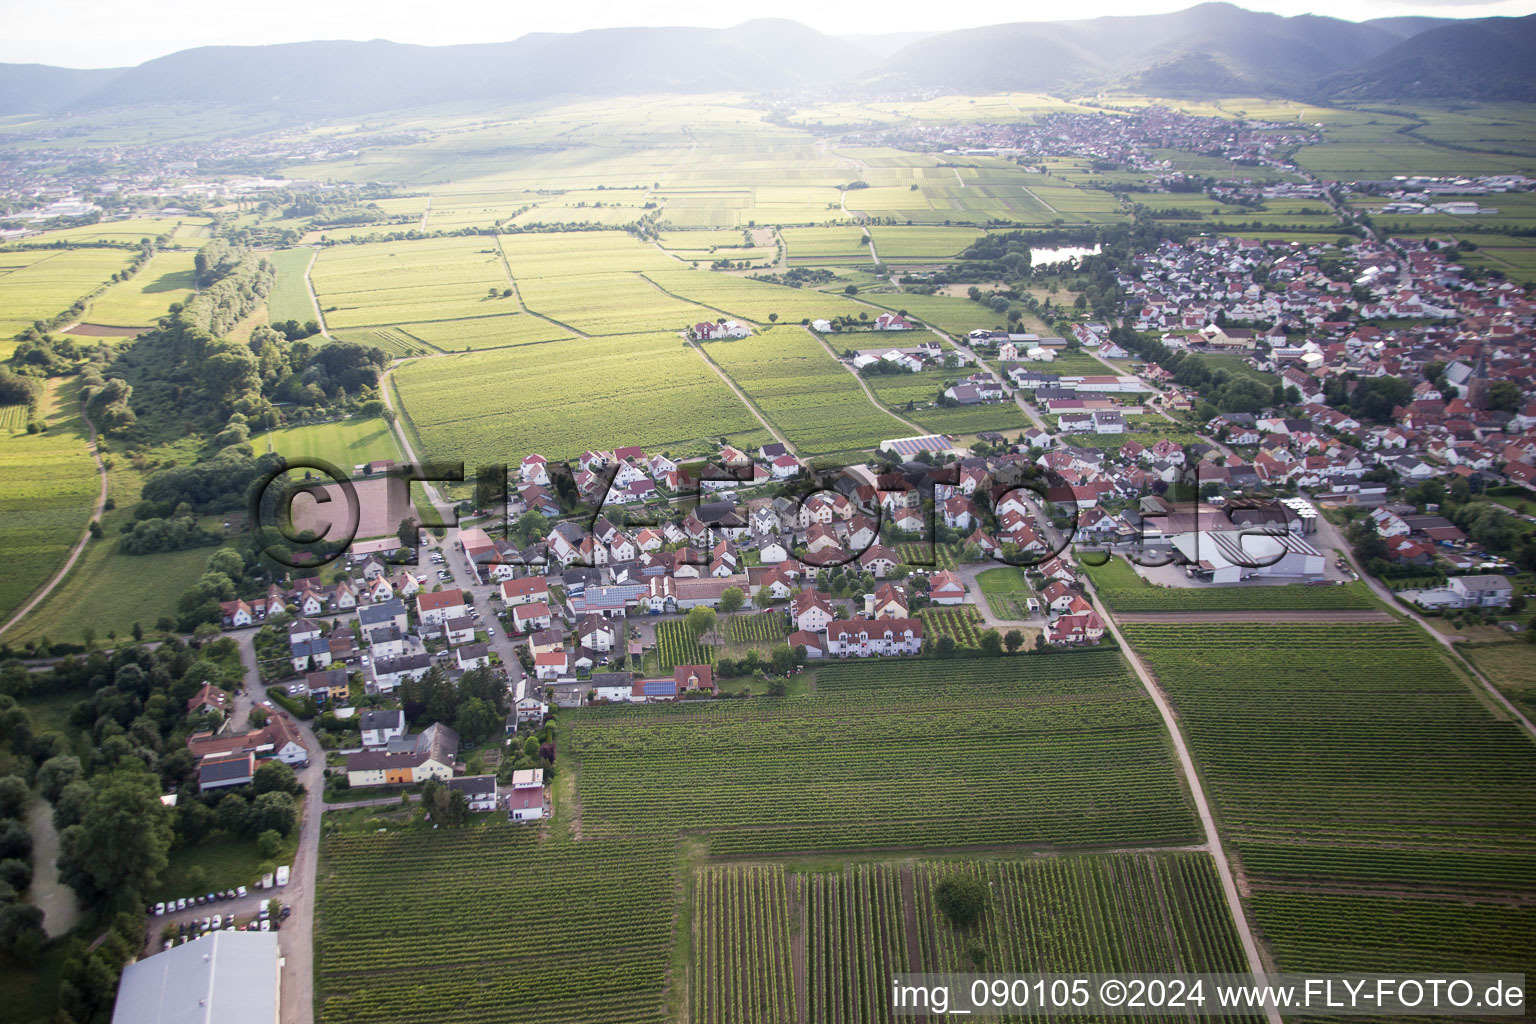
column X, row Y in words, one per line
column 700, row 620
column 194, row 820
column 15, row 794
column 234, row 814
column 962, row 900
column 118, row 850
column 406, row 531
column 259, row 717
column 945, row 646
column 1013, row 640
column 274, row 811
column 274, row 777
column 991, row 643
column 1504, row 395
column 269, row 844
column 477, row 720
column 782, row 659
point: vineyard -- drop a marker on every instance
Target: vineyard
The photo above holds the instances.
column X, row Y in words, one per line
column 407, row 281
column 676, row 646
column 860, row 926
column 13, row 418
column 961, row 623
column 460, row 927
column 929, row 556
column 804, row 392
column 1047, row 750
column 764, row 628
column 754, row 300
column 1007, row 591
column 1361, row 785
column 1124, row 591
column 646, row 390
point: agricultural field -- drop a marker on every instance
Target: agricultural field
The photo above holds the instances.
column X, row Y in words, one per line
column 804, row 392
column 51, row 487
column 1006, row 590
column 41, row 285
column 1064, row 749
column 408, row 281
column 289, row 298
column 647, row 390
column 676, row 646
column 600, row 952
column 954, row 316
column 346, row 443
column 912, row 395
column 1123, row 590
column 762, row 628
column 810, row 247
column 500, row 331
column 921, row 244
column 961, row 623
column 1437, row 808
column 610, row 304
column 859, row 926
column 146, row 296
column 120, row 232
column 923, row 556
column 756, row 301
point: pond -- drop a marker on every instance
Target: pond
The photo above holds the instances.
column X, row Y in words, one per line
column 1047, row 257
column 61, row 910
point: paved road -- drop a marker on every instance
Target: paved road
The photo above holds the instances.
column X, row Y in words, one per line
column 1197, row 792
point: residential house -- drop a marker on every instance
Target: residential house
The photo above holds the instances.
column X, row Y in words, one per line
column 379, row 727
column 865, row 637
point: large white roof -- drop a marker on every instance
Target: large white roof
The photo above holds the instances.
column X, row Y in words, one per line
column 228, row 977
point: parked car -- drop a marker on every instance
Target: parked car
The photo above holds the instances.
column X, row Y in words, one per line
column 218, row 920
column 266, row 925
column 241, row 892
column 159, row 909
column 286, row 911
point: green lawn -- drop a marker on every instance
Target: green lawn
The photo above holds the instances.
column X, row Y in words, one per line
column 1006, row 591
column 289, row 298
column 346, row 442
column 220, row 862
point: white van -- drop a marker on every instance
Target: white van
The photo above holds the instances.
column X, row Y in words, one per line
column 282, row 875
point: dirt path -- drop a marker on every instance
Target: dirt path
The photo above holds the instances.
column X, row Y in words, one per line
column 85, row 535
column 1340, row 615
column 425, row 213
column 756, row 412
column 865, row 386
column 517, row 294
column 57, row 901
column 1197, row 793
column 314, row 297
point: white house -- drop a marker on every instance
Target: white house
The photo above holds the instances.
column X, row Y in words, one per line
column 864, row 637
column 379, row 727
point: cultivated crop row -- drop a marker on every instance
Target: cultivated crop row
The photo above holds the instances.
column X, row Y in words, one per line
column 461, row 926
column 742, row 967
column 764, row 627
column 676, row 646
column 1354, row 771
column 961, row 623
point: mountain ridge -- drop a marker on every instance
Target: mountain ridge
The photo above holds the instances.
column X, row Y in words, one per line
column 1206, row 50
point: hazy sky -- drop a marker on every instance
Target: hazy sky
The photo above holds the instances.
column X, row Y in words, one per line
column 109, row 33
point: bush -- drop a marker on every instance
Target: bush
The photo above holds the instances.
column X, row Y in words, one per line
column 962, row 900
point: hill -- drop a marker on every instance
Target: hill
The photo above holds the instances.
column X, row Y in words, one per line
column 1485, row 59
column 1213, row 49
column 1210, row 49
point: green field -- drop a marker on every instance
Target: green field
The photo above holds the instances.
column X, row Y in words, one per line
column 817, row 246
column 407, row 281
column 915, row 244
column 484, row 332
column 1059, row 750
column 1123, row 590
column 51, row 487
column 289, row 298
column 1006, row 591
column 40, row 285
column 649, row 390
column 804, row 392
column 146, row 296
column 1380, row 810
column 755, row 929
column 346, row 443
column 753, row 300
column 599, row 952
